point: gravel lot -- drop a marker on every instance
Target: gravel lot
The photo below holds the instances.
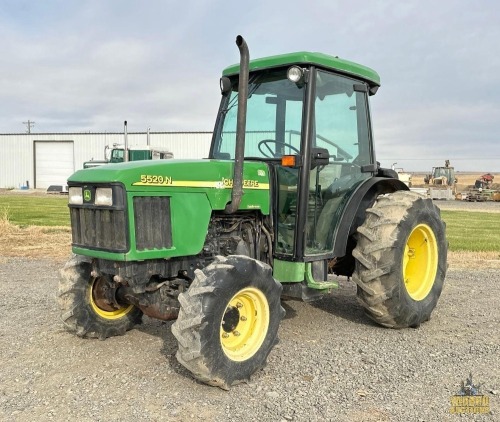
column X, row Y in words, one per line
column 489, row 206
column 331, row 363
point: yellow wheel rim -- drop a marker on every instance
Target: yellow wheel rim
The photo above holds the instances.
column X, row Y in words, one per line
column 420, row 261
column 244, row 324
column 103, row 309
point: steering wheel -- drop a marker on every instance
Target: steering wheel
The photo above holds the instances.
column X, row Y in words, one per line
column 269, row 153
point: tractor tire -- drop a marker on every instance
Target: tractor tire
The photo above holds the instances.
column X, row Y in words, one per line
column 228, row 321
column 400, row 259
column 82, row 311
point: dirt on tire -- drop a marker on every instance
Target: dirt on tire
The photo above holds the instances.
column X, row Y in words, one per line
column 383, row 264
column 77, row 313
column 207, row 302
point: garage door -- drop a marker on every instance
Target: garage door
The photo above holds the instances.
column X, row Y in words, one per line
column 53, row 163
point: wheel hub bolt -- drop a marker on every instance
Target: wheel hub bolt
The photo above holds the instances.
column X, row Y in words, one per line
column 239, row 305
column 236, row 333
column 225, row 335
column 243, row 318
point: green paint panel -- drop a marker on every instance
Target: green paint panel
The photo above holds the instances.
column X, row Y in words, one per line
column 288, row 272
column 307, row 58
column 135, row 155
column 318, row 285
column 190, row 215
column 195, row 189
column 112, row 256
column 211, row 177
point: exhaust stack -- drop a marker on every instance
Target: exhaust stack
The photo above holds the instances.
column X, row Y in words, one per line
column 125, row 141
column 241, row 119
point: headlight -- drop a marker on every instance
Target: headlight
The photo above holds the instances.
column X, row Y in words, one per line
column 295, row 74
column 75, row 196
column 104, row 196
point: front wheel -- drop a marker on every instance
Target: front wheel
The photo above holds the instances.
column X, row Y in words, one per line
column 401, row 260
column 88, row 304
column 228, row 321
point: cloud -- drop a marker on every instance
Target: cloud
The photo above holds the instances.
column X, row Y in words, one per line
column 80, row 66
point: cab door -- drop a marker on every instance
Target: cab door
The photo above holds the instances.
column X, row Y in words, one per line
column 341, row 126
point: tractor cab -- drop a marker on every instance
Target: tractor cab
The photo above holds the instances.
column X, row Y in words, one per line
column 307, row 118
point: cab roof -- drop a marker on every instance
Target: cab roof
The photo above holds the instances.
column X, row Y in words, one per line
column 320, row 60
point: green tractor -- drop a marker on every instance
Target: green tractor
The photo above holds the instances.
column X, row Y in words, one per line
column 291, row 194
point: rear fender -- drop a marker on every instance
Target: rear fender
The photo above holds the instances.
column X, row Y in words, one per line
column 354, row 212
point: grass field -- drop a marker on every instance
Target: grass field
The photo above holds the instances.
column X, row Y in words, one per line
column 466, row 231
column 472, row 231
column 26, row 210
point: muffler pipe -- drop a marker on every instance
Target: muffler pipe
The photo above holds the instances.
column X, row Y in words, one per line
column 241, row 121
column 125, row 142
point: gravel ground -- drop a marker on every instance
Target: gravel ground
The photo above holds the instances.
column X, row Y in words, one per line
column 489, row 206
column 331, row 363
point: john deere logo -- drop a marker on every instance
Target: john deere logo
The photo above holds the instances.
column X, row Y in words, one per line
column 87, row 195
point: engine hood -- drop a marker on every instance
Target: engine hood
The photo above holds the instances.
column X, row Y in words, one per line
column 212, row 177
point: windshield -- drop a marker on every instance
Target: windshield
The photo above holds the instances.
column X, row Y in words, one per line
column 274, row 118
column 117, row 155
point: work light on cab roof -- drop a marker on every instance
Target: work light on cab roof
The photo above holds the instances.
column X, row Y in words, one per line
column 295, row 74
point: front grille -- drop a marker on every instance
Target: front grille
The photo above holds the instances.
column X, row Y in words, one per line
column 153, row 229
column 99, row 228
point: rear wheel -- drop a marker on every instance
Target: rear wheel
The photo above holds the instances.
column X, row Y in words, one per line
column 228, row 321
column 88, row 304
column 400, row 260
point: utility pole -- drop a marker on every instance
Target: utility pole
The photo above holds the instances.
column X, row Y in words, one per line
column 29, row 124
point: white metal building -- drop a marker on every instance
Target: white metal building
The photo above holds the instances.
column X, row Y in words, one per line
column 39, row 160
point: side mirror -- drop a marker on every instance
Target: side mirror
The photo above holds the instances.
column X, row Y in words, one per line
column 319, row 157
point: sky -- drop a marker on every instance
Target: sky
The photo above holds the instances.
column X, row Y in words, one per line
column 80, row 66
